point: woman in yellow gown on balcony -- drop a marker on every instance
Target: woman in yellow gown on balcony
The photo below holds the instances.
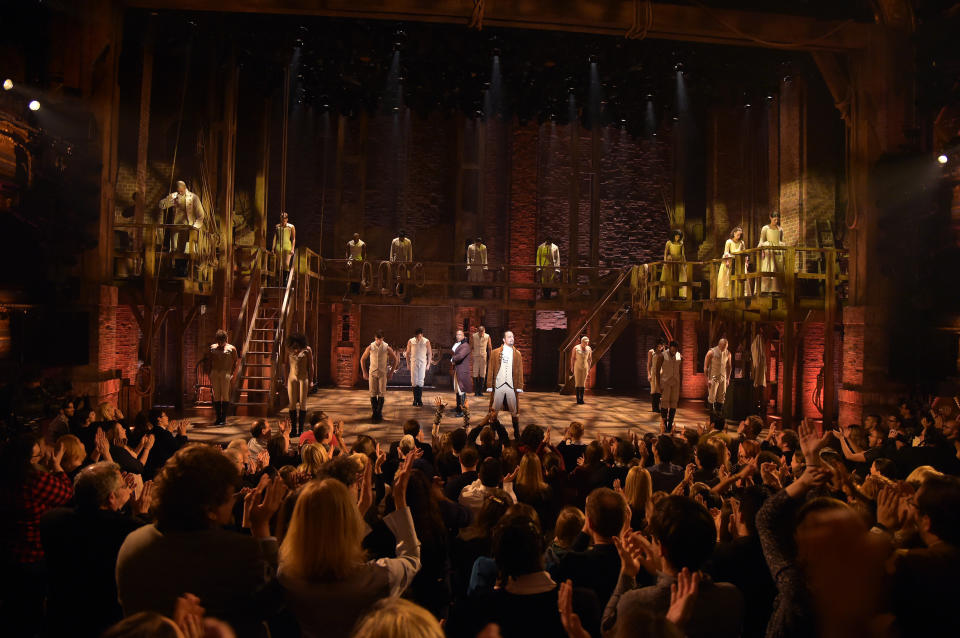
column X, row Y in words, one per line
column 771, row 261
column 674, row 268
column 732, row 246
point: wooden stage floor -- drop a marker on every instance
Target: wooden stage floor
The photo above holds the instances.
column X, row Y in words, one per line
column 603, row 414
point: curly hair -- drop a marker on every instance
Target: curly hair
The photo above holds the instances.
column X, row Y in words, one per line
column 195, row 480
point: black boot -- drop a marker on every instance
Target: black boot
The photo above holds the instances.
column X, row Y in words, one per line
column 656, row 401
column 380, row 401
column 459, row 412
column 302, row 416
column 292, row 415
column 414, row 396
column 664, row 420
column 516, row 427
column 718, row 410
column 375, row 404
column 223, row 413
column 216, row 413
column 672, row 413
column 420, row 395
column 478, row 386
column 582, row 392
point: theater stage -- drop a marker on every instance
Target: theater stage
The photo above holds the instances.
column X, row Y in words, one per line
column 603, row 414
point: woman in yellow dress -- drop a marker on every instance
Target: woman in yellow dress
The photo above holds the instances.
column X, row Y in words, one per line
column 733, row 246
column 771, row 261
column 284, row 243
column 674, row 269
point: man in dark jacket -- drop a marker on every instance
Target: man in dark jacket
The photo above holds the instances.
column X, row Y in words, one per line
column 462, row 381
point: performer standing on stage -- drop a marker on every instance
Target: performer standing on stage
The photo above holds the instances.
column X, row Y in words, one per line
column 284, row 243
column 668, row 379
column 674, row 268
column 377, row 363
column 223, row 365
column 401, row 254
column 717, row 366
column 477, row 265
column 299, row 376
column 652, row 355
column 356, row 254
column 419, row 354
column 480, row 348
column 548, row 258
column 505, row 379
column 187, row 209
column 580, row 361
column 462, row 381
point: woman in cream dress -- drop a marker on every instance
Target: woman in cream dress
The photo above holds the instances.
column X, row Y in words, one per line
column 674, row 270
column 771, row 260
column 733, row 246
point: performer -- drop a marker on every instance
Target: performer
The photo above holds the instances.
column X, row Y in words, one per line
column 717, row 366
column 668, row 379
column 674, row 269
column 401, row 254
column 477, row 265
column 223, row 365
column 377, row 363
column 480, row 348
column 299, row 375
column 580, row 362
column 284, row 243
column 652, row 355
column 548, row 255
column 187, row 209
column 505, row 379
column 356, row 254
column 419, row 354
column 771, row 261
column 732, row 246
column 462, row 381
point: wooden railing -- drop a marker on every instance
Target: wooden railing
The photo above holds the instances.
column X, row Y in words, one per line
column 246, row 320
column 278, row 351
column 167, row 251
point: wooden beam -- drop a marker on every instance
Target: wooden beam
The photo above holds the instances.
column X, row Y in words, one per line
column 143, row 134
column 670, row 22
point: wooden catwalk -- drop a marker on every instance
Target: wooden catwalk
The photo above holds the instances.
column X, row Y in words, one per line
column 609, row 415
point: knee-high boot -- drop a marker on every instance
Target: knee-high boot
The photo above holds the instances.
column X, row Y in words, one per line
column 656, row 401
column 478, row 386
column 223, row 412
column 718, row 409
column 301, row 422
column 515, row 420
column 292, row 415
column 672, row 413
column 380, row 401
column 459, row 411
column 663, row 419
column 216, row 412
column 375, row 404
column 420, row 395
column 414, row 388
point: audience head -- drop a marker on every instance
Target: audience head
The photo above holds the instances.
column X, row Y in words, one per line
column 312, row 456
column 411, row 427
column 366, row 445
column 593, row 454
column 606, row 512
column 158, row 418
column 496, row 502
column 751, row 427
column 664, row 448
column 707, row 457
column 938, row 509
column 884, row 467
column 398, row 618
column 685, row 531
column 921, row 474
column 73, row 452
column 638, row 487
column 518, row 546
column 144, row 624
column 569, row 525
column 195, row 490
column 346, row 468
column 407, row 444
column 530, row 476
column 469, row 457
column 100, row 487
column 260, row 429
column 532, row 436
column 574, row 431
column 490, row 472
column 458, row 439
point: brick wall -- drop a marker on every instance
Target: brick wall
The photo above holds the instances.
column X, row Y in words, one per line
column 524, row 196
column 345, row 355
column 693, row 384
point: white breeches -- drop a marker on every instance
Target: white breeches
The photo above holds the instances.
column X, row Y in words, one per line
column 297, row 392
column 716, row 389
column 508, row 394
column 418, row 368
column 220, row 382
column 580, row 377
column 671, row 394
column 378, row 384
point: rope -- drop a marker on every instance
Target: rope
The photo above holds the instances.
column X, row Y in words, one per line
column 476, row 20
column 767, row 43
column 642, row 20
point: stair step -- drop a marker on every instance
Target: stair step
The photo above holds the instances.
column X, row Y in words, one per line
column 254, row 379
column 251, row 403
column 257, row 352
column 261, row 341
column 254, row 389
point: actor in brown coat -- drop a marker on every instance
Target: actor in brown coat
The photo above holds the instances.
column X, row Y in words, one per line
column 505, row 379
column 462, row 381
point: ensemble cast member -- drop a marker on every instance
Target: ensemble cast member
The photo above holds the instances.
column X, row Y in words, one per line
column 223, row 365
column 284, row 243
column 505, row 379
column 479, row 347
column 548, row 255
column 674, row 268
column 299, row 375
column 356, row 254
column 377, row 363
column 771, row 260
column 732, row 246
column 462, row 381
column 668, row 379
column 418, row 354
column 477, row 265
column 187, row 209
column 652, row 355
column 717, row 366
column 401, row 254
column 580, row 361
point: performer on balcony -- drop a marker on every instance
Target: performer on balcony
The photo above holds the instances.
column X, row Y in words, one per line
column 668, row 379
column 674, row 268
column 717, row 366
column 652, row 356
column 548, row 258
column 771, row 260
column 401, row 254
column 477, row 265
column 378, row 363
column 462, row 381
column 505, row 379
column 223, row 365
column 299, row 376
column 731, row 247
column 419, row 354
column 356, row 254
column 479, row 348
column 284, row 243
column 187, row 210
column 580, row 361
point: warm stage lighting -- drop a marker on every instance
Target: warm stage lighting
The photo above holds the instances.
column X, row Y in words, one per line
column 34, row 105
column 7, row 84
column 943, row 159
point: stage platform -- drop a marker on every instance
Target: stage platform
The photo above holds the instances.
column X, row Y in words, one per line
column 603, row 414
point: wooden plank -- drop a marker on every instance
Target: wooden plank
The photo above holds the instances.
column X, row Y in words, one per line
column 830, row 310
column 788, row 346
column 143, row 133
column 670, row 22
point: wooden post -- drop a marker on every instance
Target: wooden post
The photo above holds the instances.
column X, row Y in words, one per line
column 143, row 135
column 223, row 287
column 788, row 347
column 830, row 320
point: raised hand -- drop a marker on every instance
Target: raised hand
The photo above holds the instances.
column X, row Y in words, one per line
column 263, row 510
column 683, row 594
column 438, row 402
column 142, row 505
column 809, row 440
column 366, row 488
column 570, row 620
column 402, row 479
column 188, row 616
column 182, row 427
column 617, row 486
column 770, row 474
column 888, row 508
column 381, row 457
column 284, row 426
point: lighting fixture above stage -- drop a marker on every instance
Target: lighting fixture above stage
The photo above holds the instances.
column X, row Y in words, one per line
column 7, row 84
column 34, row 105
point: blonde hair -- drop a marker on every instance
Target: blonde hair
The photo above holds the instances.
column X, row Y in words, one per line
column 313, row 456
column 398, row 618
column 323, row 538
column 407, row 443
column 73, row 450
column 530, row 475
column 920, row 475
column 102, row 411
column 638, row 488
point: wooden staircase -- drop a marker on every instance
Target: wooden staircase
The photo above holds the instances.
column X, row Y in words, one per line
column 617, row 298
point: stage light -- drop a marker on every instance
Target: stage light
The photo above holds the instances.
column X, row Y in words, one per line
column 7, row 84
column 593, row 58
column 34, row 105
column 678, row 66
column 943, row 159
